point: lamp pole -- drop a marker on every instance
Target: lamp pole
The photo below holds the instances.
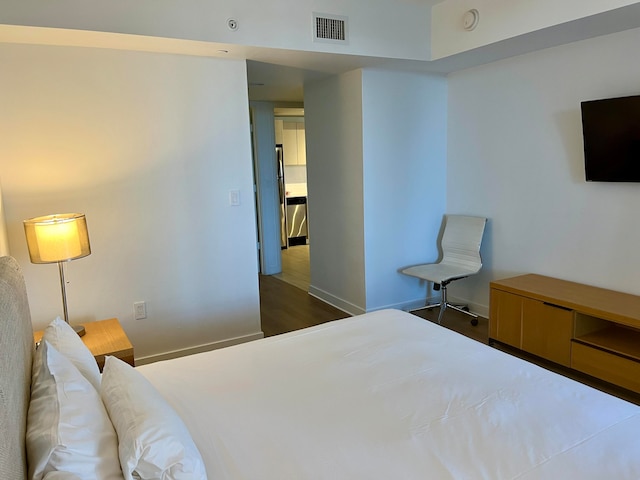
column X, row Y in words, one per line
column 64, row 291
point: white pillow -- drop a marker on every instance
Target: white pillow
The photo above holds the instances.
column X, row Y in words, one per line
column 60, row 476
column 153, row 442
column 66, row 341
column 68, row 428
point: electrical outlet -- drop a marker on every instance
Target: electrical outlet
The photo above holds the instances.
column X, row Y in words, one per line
column 140, row 310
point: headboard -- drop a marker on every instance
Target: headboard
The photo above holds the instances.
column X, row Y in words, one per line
column 16, row 353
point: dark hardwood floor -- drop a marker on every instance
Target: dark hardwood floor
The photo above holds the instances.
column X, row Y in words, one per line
column 459, row 322
column 285, row 307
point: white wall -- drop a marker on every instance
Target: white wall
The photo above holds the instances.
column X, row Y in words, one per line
column 148, row 147
column 376, row 178
column 405, row 142
column 515, row 155
column 333, row 130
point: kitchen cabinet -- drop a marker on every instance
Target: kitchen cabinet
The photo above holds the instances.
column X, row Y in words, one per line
column 279, row 127
column 301, row 143
column 293, row 141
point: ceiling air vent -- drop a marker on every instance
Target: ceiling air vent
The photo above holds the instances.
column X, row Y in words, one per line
column 329, row 28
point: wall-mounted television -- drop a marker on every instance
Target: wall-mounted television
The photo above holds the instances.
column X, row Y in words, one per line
column 611, row 133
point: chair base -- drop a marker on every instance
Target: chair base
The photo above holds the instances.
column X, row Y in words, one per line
column 443, row 305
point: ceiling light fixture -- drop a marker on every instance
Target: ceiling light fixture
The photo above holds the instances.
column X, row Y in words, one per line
column 232, row 24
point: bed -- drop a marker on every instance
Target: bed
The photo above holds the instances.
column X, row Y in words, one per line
column 378, row 396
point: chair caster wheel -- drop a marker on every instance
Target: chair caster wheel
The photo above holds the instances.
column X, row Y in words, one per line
column 474, row 322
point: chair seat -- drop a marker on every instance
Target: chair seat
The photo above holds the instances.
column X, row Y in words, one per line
column 439, row 272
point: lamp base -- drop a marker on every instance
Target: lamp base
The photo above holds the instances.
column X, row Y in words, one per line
column 79, row 329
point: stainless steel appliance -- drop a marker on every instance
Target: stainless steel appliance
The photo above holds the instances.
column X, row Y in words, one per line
column 297, row 220
column 282, row 196
column 293, row 210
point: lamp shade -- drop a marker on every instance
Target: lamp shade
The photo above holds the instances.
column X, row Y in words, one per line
column 57, row 238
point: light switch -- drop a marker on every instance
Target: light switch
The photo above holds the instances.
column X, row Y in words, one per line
column 234, row 198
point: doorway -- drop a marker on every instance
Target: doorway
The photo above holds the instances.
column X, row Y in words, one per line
column 290, row 142
column 281, row 192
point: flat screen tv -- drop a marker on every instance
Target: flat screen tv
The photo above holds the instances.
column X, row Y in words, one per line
column 611, row 133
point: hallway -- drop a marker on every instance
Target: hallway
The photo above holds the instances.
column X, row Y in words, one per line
column 295, row 267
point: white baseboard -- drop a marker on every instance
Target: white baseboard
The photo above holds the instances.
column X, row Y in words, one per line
column 406, row 306
column 198, row 349
column 352, row 309
column 334, row 301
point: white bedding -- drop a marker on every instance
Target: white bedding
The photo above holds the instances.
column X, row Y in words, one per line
column 388, row 395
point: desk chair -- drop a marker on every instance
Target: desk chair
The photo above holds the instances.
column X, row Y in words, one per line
column 460, row 258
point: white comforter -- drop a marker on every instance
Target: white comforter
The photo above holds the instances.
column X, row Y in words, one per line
column 388, row 395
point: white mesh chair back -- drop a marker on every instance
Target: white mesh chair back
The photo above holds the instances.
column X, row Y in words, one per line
column 461, row 242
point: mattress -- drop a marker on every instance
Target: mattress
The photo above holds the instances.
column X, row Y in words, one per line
column 387, row 395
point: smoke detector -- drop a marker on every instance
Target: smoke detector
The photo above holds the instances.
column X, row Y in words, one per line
column 470, row 19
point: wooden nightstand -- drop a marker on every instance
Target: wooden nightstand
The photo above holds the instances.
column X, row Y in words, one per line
column 104, row 337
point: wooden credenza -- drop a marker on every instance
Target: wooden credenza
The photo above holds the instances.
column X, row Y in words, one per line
column 589, row 329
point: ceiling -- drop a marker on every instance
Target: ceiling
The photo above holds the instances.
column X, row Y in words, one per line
column 279, row 75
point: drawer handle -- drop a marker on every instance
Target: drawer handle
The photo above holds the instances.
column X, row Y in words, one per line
column 558, row 306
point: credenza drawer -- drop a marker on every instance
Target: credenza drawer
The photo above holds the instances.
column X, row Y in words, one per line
column 606, row 366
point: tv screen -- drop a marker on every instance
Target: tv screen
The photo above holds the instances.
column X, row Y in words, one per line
column 611, row 133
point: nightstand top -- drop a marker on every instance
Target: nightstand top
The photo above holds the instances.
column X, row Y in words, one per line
column 104, row 337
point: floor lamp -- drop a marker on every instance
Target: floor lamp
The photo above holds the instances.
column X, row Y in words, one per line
column 58, row 239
